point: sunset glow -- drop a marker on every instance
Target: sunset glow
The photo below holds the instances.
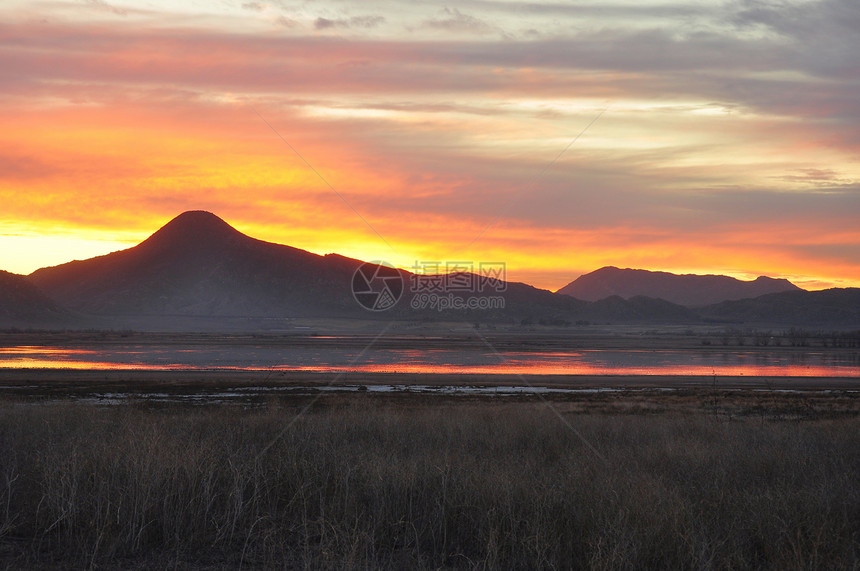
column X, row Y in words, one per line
column 706, row 137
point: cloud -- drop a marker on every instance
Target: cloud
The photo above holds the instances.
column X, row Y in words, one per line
column 825, row 179
column 324, row 23
column 453, row 20
column 749, row 75
column 366, row 22
column 823, row 33
column 104, row 6
column 24, row 167
column 286, row 22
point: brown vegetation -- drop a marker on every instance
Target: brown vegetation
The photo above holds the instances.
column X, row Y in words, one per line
column 360, row 483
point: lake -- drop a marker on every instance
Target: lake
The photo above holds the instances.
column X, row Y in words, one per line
column 352, row 358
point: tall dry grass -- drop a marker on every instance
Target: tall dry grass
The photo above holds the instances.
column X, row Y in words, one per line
column 436, row 486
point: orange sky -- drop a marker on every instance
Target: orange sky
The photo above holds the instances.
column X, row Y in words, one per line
column 707, row 140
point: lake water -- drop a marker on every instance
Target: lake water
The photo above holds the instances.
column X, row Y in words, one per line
column 771, row 362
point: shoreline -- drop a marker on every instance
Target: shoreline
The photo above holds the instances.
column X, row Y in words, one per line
column 190, row 378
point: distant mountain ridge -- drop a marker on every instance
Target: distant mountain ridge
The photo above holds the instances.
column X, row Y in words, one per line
column 835, row 306
column 689, row 290
column 197, row 265
column 199, row 273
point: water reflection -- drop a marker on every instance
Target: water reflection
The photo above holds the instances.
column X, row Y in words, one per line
column 457, row 361
column 37, row 349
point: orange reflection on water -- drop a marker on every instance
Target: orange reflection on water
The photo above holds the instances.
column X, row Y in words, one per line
column 30, row 363
column 539, row 368
column 30, row 349
column 429, row 368
column 411, row 361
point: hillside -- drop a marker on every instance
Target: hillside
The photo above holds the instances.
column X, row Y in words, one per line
column 23, row 304
column 689, row 290
column 826, row 308
column 198, row 266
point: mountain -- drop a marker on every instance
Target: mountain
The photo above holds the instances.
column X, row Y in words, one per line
column 199, row 267
column 689, row 290
column 826, row 308
column 23, row 304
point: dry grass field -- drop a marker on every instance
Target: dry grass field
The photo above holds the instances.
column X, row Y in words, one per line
column 371, row 481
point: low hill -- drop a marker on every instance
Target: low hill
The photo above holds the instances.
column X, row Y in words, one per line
column 689, row 290
column 836, row 307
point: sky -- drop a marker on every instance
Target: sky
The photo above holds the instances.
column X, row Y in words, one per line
column 556, row 137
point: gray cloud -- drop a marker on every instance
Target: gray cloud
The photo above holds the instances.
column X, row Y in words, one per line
column 104, row 6
column 366, row 22
column 455, row 21
column 324, row 23
column 824, row 33
column 821, row 178
column 287, row 22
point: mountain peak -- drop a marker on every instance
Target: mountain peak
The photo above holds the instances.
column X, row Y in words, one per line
column 199, row 220
column 766, row 279
column 194, row 227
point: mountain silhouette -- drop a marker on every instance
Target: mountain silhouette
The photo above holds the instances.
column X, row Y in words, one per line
column 199, row 266
column 830, row 307
column 689, row 290
column 22, row 303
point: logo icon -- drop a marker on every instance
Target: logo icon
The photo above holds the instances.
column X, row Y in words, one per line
column 377, row 286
